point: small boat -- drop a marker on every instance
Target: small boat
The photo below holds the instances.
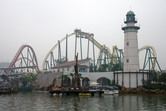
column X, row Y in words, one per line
column 108, row 90
column 84, row 94
column 116, row 90
column 57, row 94
column 56, row 89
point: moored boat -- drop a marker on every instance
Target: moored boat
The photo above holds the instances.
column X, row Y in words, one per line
column 108, row 90
column 116, row 90
column 84, row 94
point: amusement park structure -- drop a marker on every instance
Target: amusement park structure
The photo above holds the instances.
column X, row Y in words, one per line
column 25, row 60
column 50, row 62
column 102, row 59
column 150, row 60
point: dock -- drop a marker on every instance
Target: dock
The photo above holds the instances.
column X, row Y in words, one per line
column 75, row 92
column 7, row 90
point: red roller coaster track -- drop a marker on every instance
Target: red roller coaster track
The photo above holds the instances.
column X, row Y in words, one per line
column 16, row 58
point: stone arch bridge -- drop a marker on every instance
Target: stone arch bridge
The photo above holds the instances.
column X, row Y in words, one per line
column 54, row 79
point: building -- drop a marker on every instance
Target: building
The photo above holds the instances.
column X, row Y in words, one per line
column 131, row 77
column 83, row 66
column 131, row 54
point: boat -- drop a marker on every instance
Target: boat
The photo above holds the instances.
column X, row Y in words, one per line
column 56, row 89
column 84, row 94
column 108, row 90
column 116, row 90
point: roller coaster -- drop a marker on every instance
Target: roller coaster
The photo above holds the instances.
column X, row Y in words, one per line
column 105, row 60
column 100, row 56
column 25, row 60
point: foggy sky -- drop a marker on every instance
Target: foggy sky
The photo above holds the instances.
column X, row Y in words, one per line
column 41, row 23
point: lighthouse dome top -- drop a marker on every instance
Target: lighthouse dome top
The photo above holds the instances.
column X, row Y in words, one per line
column 130, row 13
column 130, row 17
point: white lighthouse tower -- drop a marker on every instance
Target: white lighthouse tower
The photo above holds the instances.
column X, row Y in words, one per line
column 131, row 55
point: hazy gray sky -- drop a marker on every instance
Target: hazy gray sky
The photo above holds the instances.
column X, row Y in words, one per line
column 41, row 23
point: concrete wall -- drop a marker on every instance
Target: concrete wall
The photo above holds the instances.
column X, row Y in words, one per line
column 130, row 80
column 47, row 79
column 94, row 76
column 54, row 78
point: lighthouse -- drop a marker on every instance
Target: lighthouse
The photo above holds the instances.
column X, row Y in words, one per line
column 131, row 55
column 130, row 77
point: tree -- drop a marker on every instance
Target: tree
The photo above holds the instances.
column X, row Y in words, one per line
column 80, row 76
column 72, row 79
column 153, row 76
column 162, row 78
column 63, row 77
column 116, row 67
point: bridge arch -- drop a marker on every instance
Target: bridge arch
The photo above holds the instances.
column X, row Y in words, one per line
column 103, row 81
column 85, row 82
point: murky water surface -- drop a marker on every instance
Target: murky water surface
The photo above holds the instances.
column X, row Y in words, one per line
column 42, row 101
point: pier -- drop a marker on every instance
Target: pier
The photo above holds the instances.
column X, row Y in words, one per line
column 75, row 92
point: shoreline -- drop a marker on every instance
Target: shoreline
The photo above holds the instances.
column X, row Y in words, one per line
column 141, row 90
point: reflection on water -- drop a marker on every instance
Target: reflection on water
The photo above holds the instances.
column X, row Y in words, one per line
column 40, row 101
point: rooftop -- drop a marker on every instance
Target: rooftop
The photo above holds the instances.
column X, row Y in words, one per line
column 70, row 63
column 130, row 13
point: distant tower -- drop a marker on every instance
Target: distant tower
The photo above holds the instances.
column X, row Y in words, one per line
column 131, row 56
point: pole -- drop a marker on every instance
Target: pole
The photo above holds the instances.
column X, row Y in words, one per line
column 129, row 80
column 94, row 55
column 76, row 73
column 66, row 47
column 75, row 46
column 59, row 52
column 88, row 50
column 122, row 78
column 81, row 44
column 137, row 78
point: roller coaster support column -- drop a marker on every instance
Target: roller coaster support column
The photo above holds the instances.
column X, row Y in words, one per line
column 81, row 44
column 145, row 59
column 24, row 61
column 158, row 65
column 149, row 63
column 66, row 47
column 20, row 65
column 150, row 60
column 59, row 52
column 88, row 50
column 75, row 45
column 94, row 55
column 52, row 61
column 28, row 56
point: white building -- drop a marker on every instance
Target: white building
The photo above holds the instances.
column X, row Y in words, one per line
column 130, row 77
column 83, row 66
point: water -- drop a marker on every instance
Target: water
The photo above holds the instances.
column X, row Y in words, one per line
column 41, row 101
